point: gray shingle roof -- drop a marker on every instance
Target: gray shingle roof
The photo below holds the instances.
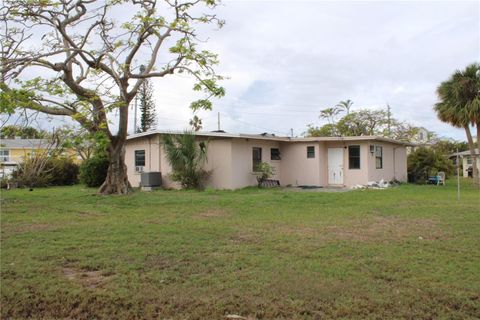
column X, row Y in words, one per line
column 23, row 143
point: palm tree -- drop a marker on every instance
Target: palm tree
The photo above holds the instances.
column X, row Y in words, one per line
column 186, row 156
column 459, row 104
column 345, row 104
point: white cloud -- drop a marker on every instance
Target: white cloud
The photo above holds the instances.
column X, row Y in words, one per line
column 288, row 59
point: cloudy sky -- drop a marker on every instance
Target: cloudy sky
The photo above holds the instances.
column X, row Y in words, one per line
column 286, row 60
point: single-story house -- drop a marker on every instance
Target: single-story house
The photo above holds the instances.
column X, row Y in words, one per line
column 312, row 161
column 466, row 160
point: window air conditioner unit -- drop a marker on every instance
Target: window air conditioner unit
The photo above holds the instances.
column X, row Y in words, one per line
column 139, row 168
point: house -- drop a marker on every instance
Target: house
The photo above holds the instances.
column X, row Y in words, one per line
column 13, row 151
column 466, row 160
column 313, row 161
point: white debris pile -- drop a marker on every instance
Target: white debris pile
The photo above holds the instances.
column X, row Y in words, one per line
column 382, row 184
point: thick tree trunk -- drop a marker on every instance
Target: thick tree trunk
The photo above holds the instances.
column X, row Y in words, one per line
column 471, row 146
column 117, row 180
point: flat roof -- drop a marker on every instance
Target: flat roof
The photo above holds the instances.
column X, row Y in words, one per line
column 271, row 137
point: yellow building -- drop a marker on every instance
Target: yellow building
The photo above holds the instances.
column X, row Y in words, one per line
column 14, row 151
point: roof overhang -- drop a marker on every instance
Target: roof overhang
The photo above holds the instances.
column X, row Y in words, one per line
column 273, row 138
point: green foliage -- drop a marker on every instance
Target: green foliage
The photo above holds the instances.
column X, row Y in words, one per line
column 148, row 117
column 459, row 97
column 362, row 122
column 55, row 171
column 186, row 157
column 94, row 171
column 13, row 99
column 84, row 143
column 13, row 131
column 107, row 72
column 425, row 162
column 63, row 171
column 32, row 173
column 264, row 171
column 448, row 147
column 327, row 130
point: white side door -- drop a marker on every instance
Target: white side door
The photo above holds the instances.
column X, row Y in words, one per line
column 335, row 165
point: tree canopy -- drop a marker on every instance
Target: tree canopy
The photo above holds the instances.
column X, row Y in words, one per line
column 459, row 104
column 361, row 122
column 81, row 59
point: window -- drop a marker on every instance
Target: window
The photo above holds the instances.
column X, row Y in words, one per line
column 378, row 157
column 469, row 160
column 256, row 158
column 4, row 155
column 139, row 160
column 354, row 157
column 275, row 154
column 310, row 152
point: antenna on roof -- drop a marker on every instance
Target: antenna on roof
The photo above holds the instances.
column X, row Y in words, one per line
column 291, row 132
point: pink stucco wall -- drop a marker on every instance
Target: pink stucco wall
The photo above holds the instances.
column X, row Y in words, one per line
column 230, row 161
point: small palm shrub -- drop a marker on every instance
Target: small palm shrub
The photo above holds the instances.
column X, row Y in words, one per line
column 186, row 156
column 93, row 171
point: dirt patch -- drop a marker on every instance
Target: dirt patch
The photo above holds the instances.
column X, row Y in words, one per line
column 87, row 213
column 89, row 279
column 30, row 228
column 373, row 229
column 212, row 213
column 245, row 238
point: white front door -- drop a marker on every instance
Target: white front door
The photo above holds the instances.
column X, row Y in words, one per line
column 335, row 165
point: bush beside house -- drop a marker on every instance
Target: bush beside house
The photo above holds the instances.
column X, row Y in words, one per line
column 425, row 162
column 94, row 171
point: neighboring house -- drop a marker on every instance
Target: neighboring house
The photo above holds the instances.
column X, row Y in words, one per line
column 466, row 160
column 13, row 151
column 315, row 161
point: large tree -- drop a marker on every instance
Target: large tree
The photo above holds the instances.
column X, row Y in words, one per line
column 459, row 104
column 81, row 59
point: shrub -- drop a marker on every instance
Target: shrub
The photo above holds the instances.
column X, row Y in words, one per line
column 425, row 162
column 187, row 157
column 63, row 171
column 264, row 172
column 53, row 171
column 33, row 171
column 93, row 171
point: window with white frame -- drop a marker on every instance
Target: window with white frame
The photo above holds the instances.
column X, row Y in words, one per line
column 4, row 154
column 139, row 160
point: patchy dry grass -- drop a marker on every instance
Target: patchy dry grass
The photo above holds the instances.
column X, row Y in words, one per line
column 90, row 279
column 408, row 253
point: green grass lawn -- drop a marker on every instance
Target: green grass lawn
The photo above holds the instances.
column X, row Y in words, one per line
column 407, row 252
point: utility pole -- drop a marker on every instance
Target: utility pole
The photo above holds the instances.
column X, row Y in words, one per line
column 218, row 120
column 389, row 121
column 458, row 177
